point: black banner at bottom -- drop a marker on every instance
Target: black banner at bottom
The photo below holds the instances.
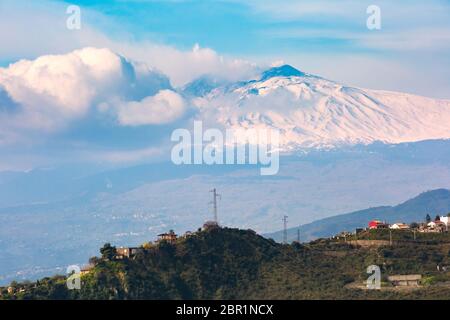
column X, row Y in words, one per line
column 230, row 309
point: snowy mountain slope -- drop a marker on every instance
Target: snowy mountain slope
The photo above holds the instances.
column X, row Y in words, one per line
column 311, row 111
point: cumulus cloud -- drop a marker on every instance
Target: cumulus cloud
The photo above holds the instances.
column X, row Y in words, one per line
column 164, row 107
column 183, row 66
column 61, row 84
column 43, row 26
column 52, row 90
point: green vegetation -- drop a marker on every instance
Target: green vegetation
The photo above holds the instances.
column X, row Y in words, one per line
column 108, row 252
column 225, row 263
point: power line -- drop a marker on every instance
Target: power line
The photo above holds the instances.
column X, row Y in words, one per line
column 285, row 229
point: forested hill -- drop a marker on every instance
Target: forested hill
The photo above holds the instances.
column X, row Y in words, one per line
column 225, row 263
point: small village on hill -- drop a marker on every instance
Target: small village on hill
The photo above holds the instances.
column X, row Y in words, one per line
column 440, row 224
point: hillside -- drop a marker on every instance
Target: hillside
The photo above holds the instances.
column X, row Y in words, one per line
column 433, row 202
column 239, row 264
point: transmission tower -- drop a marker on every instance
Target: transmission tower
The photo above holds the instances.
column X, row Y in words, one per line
column 214, row 203
column 285, row 229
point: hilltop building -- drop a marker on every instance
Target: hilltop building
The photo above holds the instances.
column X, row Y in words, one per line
column 377, row 224
column 399, row 226
column 445, row 220
column 127, row 252
column 86, row 269
column 208, row 225
column 187, row 234
column 343, row 235
column 436, row 226
column 410, row 280
column 170, row 237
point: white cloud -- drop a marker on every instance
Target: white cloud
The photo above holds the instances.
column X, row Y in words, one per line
column 164, row 107
column 184, row 66
column 277, row 63
column 43, row 26
column 56, row 89
column 66, row 84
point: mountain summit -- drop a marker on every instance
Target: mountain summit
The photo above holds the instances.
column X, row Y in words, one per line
column 281, row 71
column 313, row 112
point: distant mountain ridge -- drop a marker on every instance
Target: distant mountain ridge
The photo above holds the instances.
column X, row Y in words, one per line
column 414, row 210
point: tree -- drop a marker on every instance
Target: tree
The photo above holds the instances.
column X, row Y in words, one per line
column 414, row 225
column 108, row 252
column 428, row 218
column 93, row 261
column 437, row 218
column 147, row 245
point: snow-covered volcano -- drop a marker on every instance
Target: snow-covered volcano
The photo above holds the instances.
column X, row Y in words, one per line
column 311, row 111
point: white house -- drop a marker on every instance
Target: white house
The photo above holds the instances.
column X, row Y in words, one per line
column 444, row 219
column 399, row 226
column 437, row 226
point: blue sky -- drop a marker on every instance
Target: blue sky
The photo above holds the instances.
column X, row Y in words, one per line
column 259, row 28
column 306, row 33
column 229, row 27
column 244, row 26
column 410, row 53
